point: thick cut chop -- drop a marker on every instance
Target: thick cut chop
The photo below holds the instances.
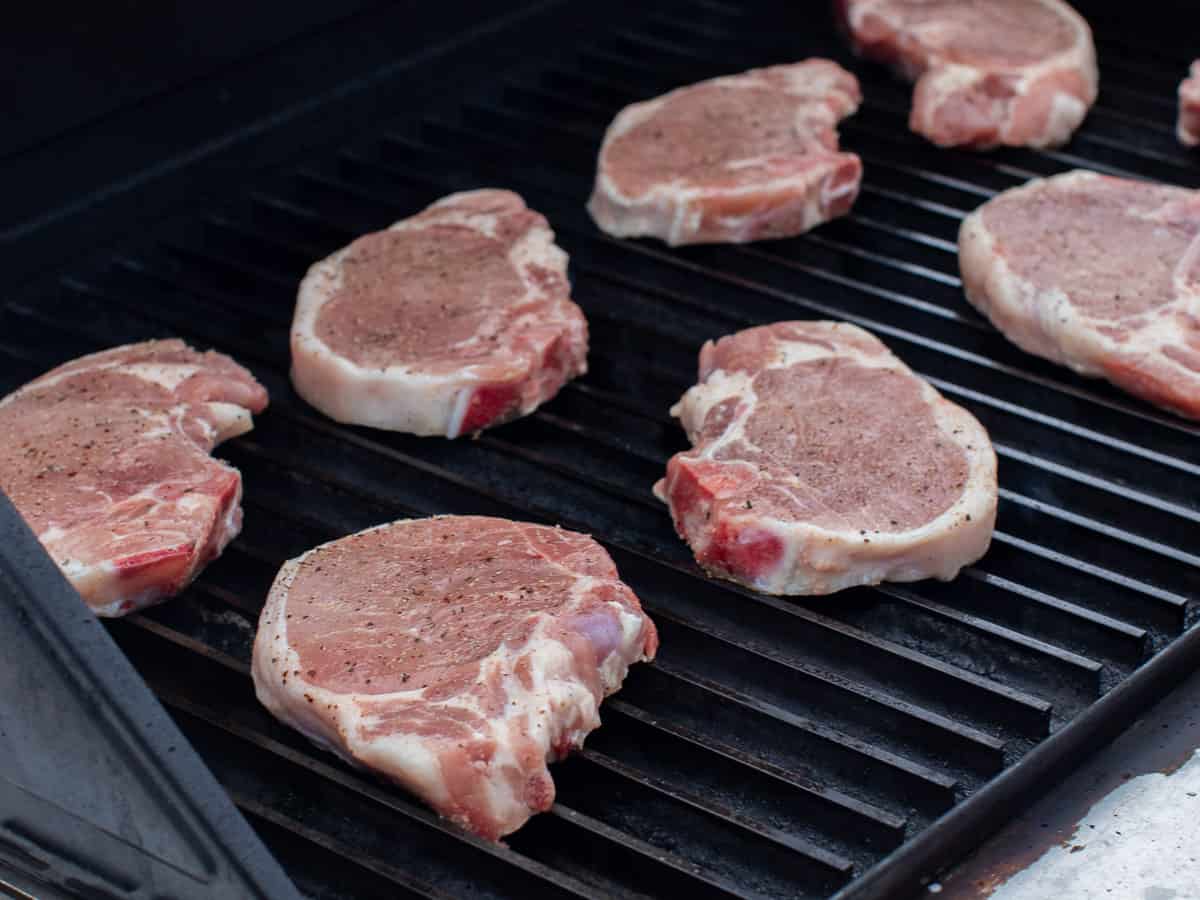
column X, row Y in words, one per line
column 740, row 158
column 821, row 462
column 455, row 655
column 1188, row 127
column 988, row 72
column 448, row 322
column 1097, row 273
column 107, row 458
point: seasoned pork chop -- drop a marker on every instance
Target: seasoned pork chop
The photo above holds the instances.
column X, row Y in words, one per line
column 107, row 458
column 1097, row 273
column 734, row 159
column 451, row 321
column 820, row 462
column 455, row 655
column 987, row 72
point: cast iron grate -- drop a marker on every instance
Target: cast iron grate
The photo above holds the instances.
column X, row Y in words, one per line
column 777, row 748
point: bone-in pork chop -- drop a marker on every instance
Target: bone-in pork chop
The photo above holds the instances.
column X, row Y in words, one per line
column 107, row 458
column 448, row 322
column 820, row 462
column 987, row 72
column 1097, row 273
column 454, row 655
column 1188, row 127
column 740, row 158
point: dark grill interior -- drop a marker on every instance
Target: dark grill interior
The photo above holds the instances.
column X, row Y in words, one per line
column 777, row 748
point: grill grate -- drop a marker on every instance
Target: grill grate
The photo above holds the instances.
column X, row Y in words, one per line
column 777, row 748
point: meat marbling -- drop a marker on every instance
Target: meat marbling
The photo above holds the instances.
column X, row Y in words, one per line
column 987, row 72
column 1188, row 126
column 821, row 462
column 1097, row 273
column 454, row 655
column 107, row 459
column 740, row 158
column 451, row 321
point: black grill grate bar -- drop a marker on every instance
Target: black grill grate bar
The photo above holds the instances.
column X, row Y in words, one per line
column 1074, row 670
column 1162, row 126
column 644, row 849
column 1120, row 534
column 929, row 787
column 565, row 224
column 1129, row 638
column 1171, row 603
column 398, row 879
column 893, row 296
column 977, row 748
column 911, row 268
column 828, row 866
column 1176, row 160
column 873, row 824
column 1102, row 484
column 1067, row 158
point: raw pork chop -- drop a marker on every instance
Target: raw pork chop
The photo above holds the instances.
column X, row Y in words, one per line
column 1100, row 274
column 735, row 159
column 1188, row 128
column 455, row 655
column 987, row 72
column 820, row 462
column 451, row 321
column 107, row 458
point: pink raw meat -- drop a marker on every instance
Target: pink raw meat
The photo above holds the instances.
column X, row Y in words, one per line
column 107, row 458
column 740, row 158
column 454, row 655
column 987, row 72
